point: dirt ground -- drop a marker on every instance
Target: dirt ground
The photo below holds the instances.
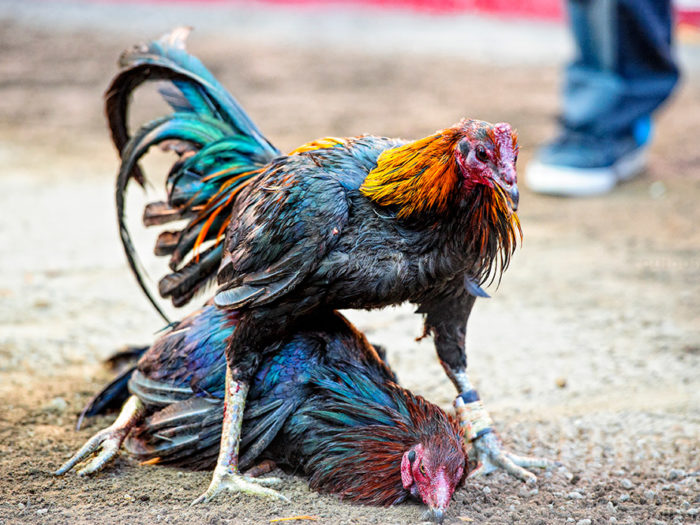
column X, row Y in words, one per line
column 587, row 353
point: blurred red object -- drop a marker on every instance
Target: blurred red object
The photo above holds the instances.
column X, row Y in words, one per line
column 549, row 9
column 687, row 11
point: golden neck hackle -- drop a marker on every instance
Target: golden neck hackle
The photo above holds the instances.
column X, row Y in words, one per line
column 418, row 177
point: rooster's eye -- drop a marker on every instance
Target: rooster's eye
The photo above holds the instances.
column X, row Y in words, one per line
column 481, row 154
column 422, row 469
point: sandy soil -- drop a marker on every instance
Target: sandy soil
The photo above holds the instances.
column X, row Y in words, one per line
column 588, row 352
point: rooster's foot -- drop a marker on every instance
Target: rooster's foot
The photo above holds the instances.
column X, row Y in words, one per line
column 107, row 441
column 236, row 482
column 487, row 448
column 226, row 475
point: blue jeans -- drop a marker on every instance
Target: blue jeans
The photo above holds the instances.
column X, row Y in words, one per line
column 624, row 69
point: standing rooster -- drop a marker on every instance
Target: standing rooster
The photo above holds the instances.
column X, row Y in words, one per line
column 322, row 402
column 359, row 222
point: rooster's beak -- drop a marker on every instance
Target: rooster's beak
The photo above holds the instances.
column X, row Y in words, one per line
column 440, row 498
column 435, row 514
column 507, row 180
column 510, row 193
column 514, row 197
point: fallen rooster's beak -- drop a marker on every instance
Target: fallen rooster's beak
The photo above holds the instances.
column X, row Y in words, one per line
column 434, row 514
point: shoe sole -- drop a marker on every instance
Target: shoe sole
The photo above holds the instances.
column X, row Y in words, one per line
column 580, row 182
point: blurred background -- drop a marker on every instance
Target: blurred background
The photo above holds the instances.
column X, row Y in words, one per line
column 588, row 352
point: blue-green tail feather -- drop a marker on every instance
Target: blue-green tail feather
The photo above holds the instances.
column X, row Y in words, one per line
column 220, row 149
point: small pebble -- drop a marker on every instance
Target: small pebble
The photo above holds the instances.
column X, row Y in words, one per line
column 486, row 490
column 693, row 512
column 649, row 494
column 585, row 521
column 675, row 473
column 524, row 492
column 684, row 504
column 574, row 495
column 57, row 405
column 626, row 484
column 624, row 497
column 41, row 512
column 129, row 498
column 612, row 519
column 560, row 382
column 570, row 520
column 21, row 505
column 657, row 189
column 611, row 507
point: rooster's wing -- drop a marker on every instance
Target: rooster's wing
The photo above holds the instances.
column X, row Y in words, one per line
column 291, row 218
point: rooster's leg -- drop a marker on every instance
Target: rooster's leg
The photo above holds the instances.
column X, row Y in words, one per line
column 226, row 475
column 446, row 318
column 487, row 448
column 108, row 441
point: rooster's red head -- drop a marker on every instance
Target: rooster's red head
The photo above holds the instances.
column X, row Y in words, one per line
column 439, row 173
column 487, row 154
column 431, row 472
column 417, row 450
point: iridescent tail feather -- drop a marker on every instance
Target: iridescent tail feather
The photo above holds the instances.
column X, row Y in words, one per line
column 219, row 151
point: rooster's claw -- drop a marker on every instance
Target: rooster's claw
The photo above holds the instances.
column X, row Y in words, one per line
column 107, row 441
column 488, row 450
column 236, row 482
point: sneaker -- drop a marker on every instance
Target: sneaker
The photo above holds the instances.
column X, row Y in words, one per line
column 578, row 165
